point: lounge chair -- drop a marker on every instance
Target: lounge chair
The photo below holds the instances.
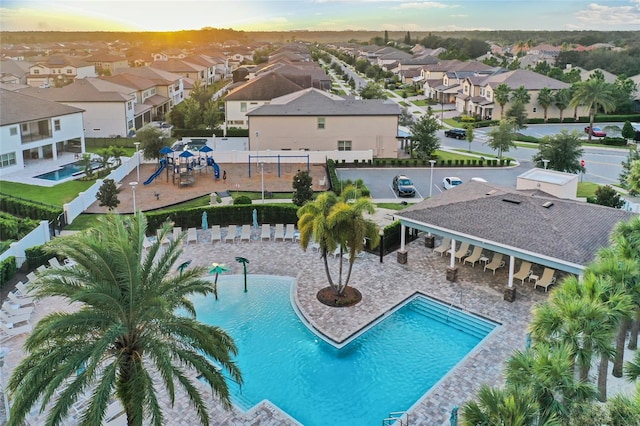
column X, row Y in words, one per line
column 279, row 232
column 9, row 330
column 14, row 319
column 192, row 235
column 474, row 257
column 32, row 277
column 245, row 235
column 232, row 233
column 444, row 246
column 336, row 252
column 266, row 232
column 12, row 309
column 20, row 301
column 524, row 272
column 177, row 233
column 496, row 262
column 548, row 278
column 462, row 251
column 40, row 269
column 215, row 234
column 55, row 263
column 23, row 290
column 289, row 232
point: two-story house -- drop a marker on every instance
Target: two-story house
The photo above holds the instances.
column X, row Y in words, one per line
column 58, row 70
column 190, row 71
column 316, row 120
column 167, row 84
column 106, row 64
column 32, row 128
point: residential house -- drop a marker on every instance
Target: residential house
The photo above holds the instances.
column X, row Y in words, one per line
column 586, row 74
column 110, row 109
column 167, row 84
column 106, row 64
column 149, row 105
column 190, row 71
column 312, row 119
column 32, row 128
column 58, row 70
column 165, row 55
column 14, row 72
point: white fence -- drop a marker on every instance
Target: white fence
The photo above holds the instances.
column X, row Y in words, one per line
column 37, row 237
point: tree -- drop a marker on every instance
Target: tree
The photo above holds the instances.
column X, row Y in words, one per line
column 520, row 95
column 501, row 137
column 424, row 138
column 302, row 191
column 545, row 99
column 104, row 154
column 108, row 194
column 371, row 91
column 634, row 155
column 634, row 177
column 561, row 99
column 517, row 115
column 628, row 132
column 470, row 130
column 624, row 90
column 501, row 96
column 126, row 329
column 406, row 118
column 607, row 196
column 151, row 141
column 595, row 94
column 117, row 152
column 563, row 151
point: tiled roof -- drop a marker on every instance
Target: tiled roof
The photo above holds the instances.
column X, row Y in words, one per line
column 570, row 231
column 82, row 90
column 529, row 79
column 19, row 108
column 264, row 88
column 158, row 75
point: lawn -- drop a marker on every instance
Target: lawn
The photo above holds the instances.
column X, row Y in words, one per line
column 57, row 195
column 587, row 189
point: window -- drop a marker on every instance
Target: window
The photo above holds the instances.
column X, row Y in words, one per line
column 243, row 107
column 534, row 109
column 25, row 127
column 36, row 71
column 13, row 131
column 56, row 125
column 7, row 160
column 129, row 105
column 321, row 122
column 69, row 71
column 344, row 145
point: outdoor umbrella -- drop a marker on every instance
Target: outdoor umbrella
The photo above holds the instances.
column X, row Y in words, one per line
column 205, row 223
column 166, row 150
column 217, row 268
column 205, row 149
column 255, row 218
column 453, row 420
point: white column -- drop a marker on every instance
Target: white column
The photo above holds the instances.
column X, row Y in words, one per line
column 402, row 231
column 452, row 261
column 512, row 263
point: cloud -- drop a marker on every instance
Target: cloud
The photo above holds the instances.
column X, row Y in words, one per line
column 424, row 5
column 604, row 15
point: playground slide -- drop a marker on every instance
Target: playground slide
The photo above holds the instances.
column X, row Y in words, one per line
column 163, row 164
column 216, row 168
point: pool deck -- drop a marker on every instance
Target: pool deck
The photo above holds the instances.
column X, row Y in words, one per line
column 383, row 286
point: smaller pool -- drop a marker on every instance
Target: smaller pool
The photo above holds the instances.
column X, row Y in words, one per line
column 66, row 171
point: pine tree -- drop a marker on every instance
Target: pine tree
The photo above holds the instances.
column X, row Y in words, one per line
column 107, row 195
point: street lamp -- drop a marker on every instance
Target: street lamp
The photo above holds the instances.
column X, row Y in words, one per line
column 262, row 179
column 137, row 144
column 545, row 163
column 432, row 162
column 3, row 353
column 133, row 187
column 381, row 244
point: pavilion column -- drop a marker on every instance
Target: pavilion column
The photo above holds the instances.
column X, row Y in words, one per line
column 402, row 253
column 510, row 290
column 452, row 270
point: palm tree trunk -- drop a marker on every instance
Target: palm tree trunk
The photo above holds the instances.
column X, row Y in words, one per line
column 633, row 332
column 561, row 117
column 620, row 339
column 326, row 270
column 602, row 378
column 340, row 284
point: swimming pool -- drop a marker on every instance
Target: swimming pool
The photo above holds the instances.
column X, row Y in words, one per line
column 386, row 369
column 66, row 171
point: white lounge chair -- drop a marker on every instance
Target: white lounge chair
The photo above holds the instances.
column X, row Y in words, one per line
column 14, row 319
column 496, row 262
column 177, row 233
column 289, row 232
column 216, row 235
column 279, row 232
column 336, row 252
column 444, row 246
column 16, row 310
column 23, row 290
column 9, row 330
column 524, row 272
column 192, row 235
column 232, row 233
column 55, row 263
column 463, row 251
column 20, row 301
column 245, row 234
column 32, row 277
column 548, row 278
column 266, row 232
column 40, row 269
column 474, row 257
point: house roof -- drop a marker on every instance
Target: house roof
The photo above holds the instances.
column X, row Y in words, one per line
column 177, row 66
column 83, row 90
column 264, row 88
column 313, row 102
column 565, row 235
column 529, row 79
column 157, row 75
column 19, row 108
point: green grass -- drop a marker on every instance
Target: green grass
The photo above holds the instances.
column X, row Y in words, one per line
column 424, row 102
column 56, row 195
column 84, row 221
column 391, row 206
column 587, row 189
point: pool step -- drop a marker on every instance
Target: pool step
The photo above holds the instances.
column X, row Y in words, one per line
column 235, row 394
column 467, row 323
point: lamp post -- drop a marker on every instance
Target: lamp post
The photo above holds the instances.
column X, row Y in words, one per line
column 262, row 179
column 545, row 163
column 3, row 353
column 381, row 244
column 133, row 187
column 432, row 162
column 137, row 144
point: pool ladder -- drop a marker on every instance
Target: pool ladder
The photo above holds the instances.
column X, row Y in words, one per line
column 457, row 297
column 397, row 418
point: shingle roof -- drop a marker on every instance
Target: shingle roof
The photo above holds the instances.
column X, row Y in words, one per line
column 570, row 231
column 312, row 102
column 83, row 90
column 529, row 79
column 264, row 88
column 19, row 108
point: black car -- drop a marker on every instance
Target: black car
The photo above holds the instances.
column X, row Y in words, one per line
column 456, row 133
column 403, row 186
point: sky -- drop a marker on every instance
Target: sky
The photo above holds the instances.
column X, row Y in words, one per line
column 319, row 15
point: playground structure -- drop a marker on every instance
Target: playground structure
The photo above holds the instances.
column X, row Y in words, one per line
column 183, row 166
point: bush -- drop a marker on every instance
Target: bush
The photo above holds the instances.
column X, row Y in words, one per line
column 30, row 209
column 243, row 199
column 36, row 256
column 7, row 269
column 613, row 141
column 526, row 138
column 14, row 228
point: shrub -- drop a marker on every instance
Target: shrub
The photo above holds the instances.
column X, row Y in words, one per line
column 7, row 269
column 613, row 141
column 243, row 199
column 36, row 256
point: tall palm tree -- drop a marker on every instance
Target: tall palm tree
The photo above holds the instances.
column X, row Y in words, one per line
column 521, row 95
column 562, row 98
column 626, row 236
column 127, row 339
column 595, row 94
column 545, row 99
column 501, row 96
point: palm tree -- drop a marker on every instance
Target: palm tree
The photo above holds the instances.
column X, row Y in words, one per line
column 501, row 96
column 545, row 99
column 217, row 268
column 595, row 94
column 520, row 95
column 562, row 98
column 626, row 236
column 127, row 339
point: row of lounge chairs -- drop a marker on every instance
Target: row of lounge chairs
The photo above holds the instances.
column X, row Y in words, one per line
column 465, row 255
column 234, row 233
column 16, row 311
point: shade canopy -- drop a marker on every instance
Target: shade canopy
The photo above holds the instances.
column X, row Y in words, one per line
column 186, row 154
column 206, row 148
column 166, row 150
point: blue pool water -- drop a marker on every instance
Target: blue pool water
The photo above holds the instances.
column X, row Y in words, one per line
column 386, row 369
column 66, row 171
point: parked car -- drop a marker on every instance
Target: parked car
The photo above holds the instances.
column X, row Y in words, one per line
column 596, row 131
column 403, row 186
column 451, row 182
column 456, row 133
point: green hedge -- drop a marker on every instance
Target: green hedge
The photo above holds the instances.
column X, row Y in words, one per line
column 236, row 132
column 107, row 142
column 621, row 118
column 192, row 133
column 14, row 228
column 7, row 270
column 613, row 141
column 30, row 209
column 36, row 256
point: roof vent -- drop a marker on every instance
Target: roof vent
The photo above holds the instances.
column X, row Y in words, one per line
column 547, row 204
column 493, row 191
column 511, row 201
